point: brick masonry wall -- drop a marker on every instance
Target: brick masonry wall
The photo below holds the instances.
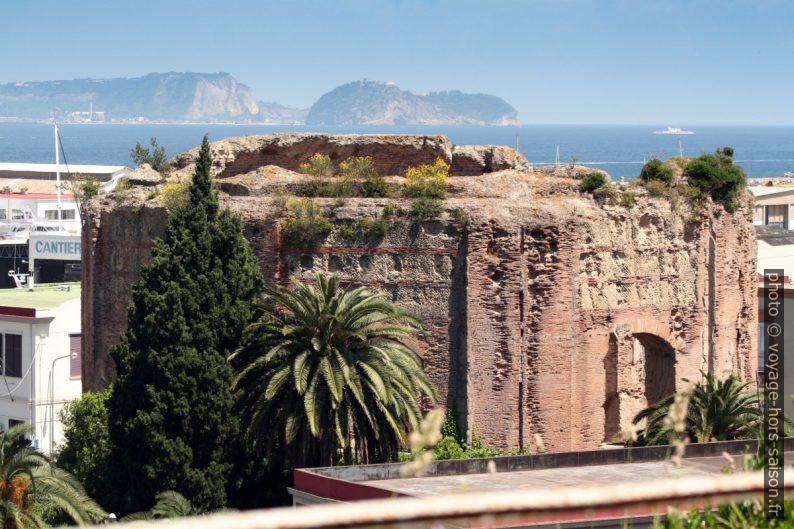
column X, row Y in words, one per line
column 543, row 317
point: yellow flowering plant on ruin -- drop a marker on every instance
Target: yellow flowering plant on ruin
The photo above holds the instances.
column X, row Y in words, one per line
column 427, row 180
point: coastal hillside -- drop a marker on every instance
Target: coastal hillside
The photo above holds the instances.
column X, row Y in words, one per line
column 169, row 96
column 272, row 112
column 378, row 103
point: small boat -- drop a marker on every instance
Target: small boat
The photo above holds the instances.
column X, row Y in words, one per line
column 673, row 131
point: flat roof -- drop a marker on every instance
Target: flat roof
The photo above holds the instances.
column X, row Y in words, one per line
column 41, row 297
column 528, row 472
column 762, row 191
column 558, row 477
column 50, row 168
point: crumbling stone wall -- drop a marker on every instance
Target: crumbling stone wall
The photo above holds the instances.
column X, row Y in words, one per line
column 546, row 312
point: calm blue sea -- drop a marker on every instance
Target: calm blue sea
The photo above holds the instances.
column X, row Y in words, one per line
column 620, row 150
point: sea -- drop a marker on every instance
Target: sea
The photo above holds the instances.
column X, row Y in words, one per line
column 618, row 149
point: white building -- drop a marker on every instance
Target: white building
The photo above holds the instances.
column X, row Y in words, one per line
column 40, row 347
column 773, row 206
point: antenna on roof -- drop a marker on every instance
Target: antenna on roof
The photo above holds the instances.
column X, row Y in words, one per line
column 58, row 174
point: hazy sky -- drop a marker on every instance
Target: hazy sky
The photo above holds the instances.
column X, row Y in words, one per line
column 672, row 62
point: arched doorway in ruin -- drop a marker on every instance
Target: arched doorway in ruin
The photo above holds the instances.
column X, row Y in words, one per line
column 658, row 357
column 639, row 370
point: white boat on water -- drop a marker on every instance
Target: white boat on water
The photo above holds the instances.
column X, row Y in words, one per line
column 673, row 131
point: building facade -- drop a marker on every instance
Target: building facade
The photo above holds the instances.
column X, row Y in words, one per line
column 773, row 206
column 40, row 344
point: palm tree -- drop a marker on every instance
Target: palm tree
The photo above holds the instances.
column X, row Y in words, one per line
column 326, row 370
column 168, row 504
column 719, row 410
column 31, row 486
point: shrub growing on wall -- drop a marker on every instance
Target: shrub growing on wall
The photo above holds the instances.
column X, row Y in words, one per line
column 655, row 169
column 427, row 180
column 592, row 181
column 717, row 175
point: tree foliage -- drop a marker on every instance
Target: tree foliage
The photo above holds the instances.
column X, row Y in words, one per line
column 86, row 450
column 171, row 411
column 328, row 372
column 719, row 410
column 32, row 488
column 655, row 169
column 592, row 181
column 154, row 156
column 717, row 176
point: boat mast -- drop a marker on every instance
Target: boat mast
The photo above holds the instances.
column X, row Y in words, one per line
column 58, row 175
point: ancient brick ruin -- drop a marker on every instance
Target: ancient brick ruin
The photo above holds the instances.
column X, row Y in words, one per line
column 547, row 312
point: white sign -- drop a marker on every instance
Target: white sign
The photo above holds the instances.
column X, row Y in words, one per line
column 49, row 246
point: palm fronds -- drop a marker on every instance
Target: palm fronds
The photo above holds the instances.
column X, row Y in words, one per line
column 327, row 370
column 719, row 410
column 31, row 485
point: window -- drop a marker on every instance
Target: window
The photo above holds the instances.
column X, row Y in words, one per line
column 12, row 355
column 776, row 215
column 76, row 358
column 2, row 214
column 66, row 214
column 14, row 422
column 17, row 214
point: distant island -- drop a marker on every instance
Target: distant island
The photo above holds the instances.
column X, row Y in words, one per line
column 378, row 103
column 177, row 97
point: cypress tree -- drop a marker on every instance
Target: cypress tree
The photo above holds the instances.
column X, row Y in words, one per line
column 171, row 413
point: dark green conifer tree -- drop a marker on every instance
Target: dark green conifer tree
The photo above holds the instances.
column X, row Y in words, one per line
column 171, row 413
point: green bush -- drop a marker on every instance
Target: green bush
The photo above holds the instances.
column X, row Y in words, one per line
column 426, row 208
column 717, row 176
column 388, row 210
column 448, row 448
column 306, row 225
column 657, row 188
column 592, row 181
column 348, row 231
column 460, row 215
column 450, row 427
column 376, row 227
column 86, row 449
column 376, row 187
column 606, row 193
column 427, row 180
column 628, row 199
column 655, row 169
column 743, row 515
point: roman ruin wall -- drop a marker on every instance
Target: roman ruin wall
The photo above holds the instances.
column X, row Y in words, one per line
column 547, row 312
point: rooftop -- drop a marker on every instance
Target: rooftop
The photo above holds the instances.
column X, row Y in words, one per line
column 41, row 297
column 557, row 477
column 50, row 168
column 762, row 191
column 535, row 472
